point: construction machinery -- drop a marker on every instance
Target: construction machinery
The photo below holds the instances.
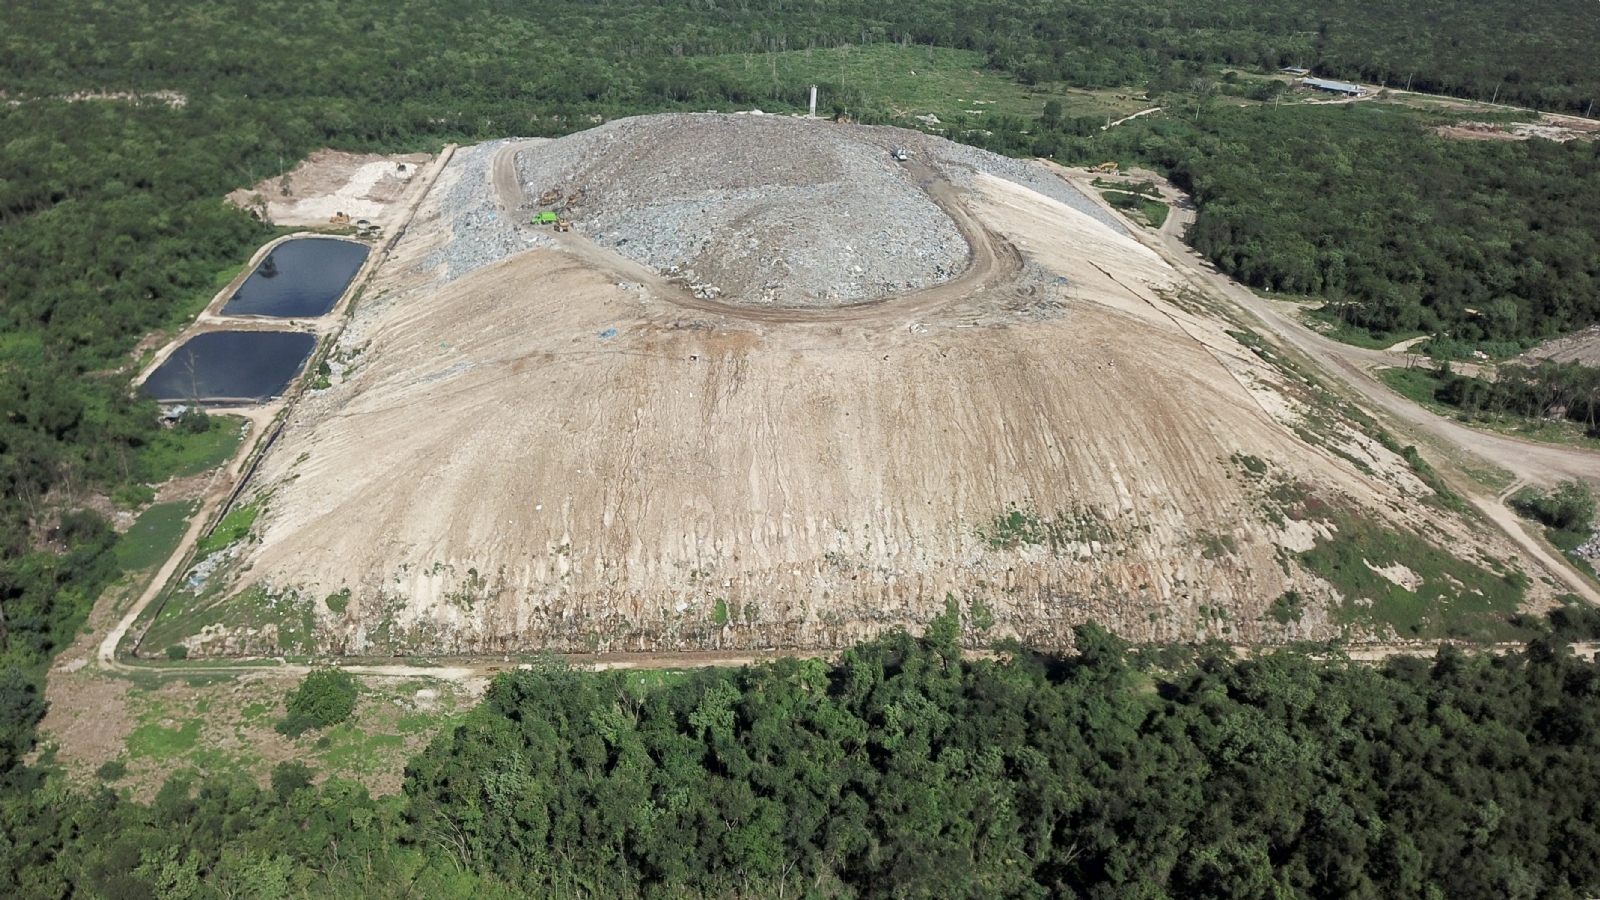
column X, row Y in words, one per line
column 1108, row 168
column 563, row 225
column 899, row 154
column 550, row 197
column 545, row 218
column 339, row 218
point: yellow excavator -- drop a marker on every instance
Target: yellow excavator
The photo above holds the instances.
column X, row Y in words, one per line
column 1108, row 168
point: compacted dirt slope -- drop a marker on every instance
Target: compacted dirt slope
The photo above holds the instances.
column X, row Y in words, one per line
column 565, row 449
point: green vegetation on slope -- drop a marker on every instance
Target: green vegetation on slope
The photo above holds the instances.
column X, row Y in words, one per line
column 1391, row 577
column 178, row 453
column 234, row 527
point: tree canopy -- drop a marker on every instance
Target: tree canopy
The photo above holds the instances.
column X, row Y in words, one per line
column 905, row 771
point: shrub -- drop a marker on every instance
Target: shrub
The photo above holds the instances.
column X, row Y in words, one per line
column 111, row 770
column 177, row 652
column 325, row 697
column 1576, row 622
column 193, row 421
column 290, row 777
column 1570, row 507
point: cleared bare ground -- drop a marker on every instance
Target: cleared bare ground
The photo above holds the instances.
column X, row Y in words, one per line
column 565, row 449
column 1549, row 127
column 362, row 186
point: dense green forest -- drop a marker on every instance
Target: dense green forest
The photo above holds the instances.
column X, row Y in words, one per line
column 1398, row 230
column 496, row 58
column 901, row 772
column 904, row 771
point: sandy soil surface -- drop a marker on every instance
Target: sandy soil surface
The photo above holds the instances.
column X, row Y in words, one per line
column 563, row 449
column 362, row 186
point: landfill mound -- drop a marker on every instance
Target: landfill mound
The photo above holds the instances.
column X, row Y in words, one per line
column 525, row 441
column 750, row 208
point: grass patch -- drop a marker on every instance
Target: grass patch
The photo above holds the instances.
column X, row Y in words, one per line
column 1153, row 211
column 1420, row 386
column 350, row 750
column 175, row 454
column 154, row 535
column 233, row 527
column 226, row 728
column 644, row 681
column 1145, row 188
column 154, row 741
column 1017, row 527
column 1449, row 597
column 186, row 615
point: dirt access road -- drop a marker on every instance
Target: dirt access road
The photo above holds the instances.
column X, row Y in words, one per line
column 993, row 260
column 1527, row 461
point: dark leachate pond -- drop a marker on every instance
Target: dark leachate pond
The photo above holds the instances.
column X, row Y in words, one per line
column 301, row 278
column 224, row 367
